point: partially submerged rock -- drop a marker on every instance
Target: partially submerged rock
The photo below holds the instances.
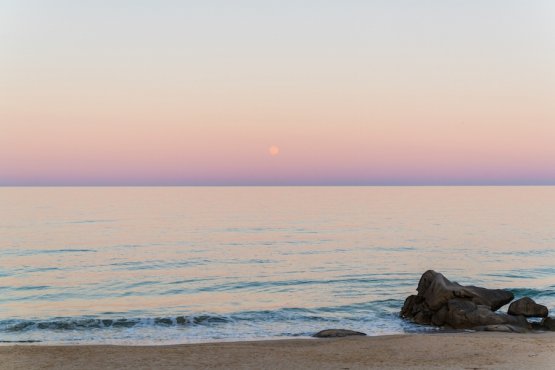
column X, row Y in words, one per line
column 528, row 308
column 441, row 302
column 336, row 333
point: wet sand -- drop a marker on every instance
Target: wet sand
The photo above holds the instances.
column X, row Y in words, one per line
column 415, row 351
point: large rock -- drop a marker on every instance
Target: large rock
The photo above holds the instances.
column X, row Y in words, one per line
column 527, row 307
column 444, row 303
column 336, row 333
column 437, row 290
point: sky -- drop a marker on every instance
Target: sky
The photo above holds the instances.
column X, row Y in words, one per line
column 319, row 92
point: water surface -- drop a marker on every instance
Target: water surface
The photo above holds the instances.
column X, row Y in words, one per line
column 189, row 264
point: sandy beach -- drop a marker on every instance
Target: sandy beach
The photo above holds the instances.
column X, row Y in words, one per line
column 416, row 351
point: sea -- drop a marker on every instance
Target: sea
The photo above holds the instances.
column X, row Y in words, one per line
column 166, row 265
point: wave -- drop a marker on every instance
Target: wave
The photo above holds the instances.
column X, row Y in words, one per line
column 32, row 252
column 533, row 293
column 88, row 221
column 105, row 323
column 370, row 280
column 353, row 313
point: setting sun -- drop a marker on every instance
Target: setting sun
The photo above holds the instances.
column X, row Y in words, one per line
column 273, row 150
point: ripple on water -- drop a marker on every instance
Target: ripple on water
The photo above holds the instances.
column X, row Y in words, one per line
column 257, row 262
column 33, row 252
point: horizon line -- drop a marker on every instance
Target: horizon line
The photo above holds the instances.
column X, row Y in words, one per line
column 268, row 185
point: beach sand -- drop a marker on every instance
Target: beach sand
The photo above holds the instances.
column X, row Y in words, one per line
column 419, row 351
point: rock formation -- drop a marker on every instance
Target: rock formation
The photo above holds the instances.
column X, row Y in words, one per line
column 444, row 303
column 441, row 302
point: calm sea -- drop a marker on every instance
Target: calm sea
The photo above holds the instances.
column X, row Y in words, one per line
column 191, row 264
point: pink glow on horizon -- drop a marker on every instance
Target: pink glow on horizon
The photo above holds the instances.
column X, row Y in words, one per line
column 391, row 94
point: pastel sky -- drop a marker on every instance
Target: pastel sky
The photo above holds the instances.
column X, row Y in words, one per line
column 129, row 92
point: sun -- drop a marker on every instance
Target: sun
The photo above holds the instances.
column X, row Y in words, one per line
column 273, row 150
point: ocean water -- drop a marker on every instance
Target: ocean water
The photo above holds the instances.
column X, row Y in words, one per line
column 191, row 264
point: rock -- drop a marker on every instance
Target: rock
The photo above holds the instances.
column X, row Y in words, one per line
column 464, row 314
column 502, row 328
column 416, row 309
column 548, row 324
column 441, row 302
column 336, row 333
column 528, row 308
column 437, row 290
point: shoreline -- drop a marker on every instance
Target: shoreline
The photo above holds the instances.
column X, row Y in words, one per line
column 477, row 350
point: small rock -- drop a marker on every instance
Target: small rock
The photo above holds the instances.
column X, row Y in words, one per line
column 536, row 325
column 528, row 308
column 502, row 328
column 548, row 324
column 415, row 308
column 336, row 333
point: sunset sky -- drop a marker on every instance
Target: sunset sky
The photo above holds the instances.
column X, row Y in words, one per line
column 277, row 92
